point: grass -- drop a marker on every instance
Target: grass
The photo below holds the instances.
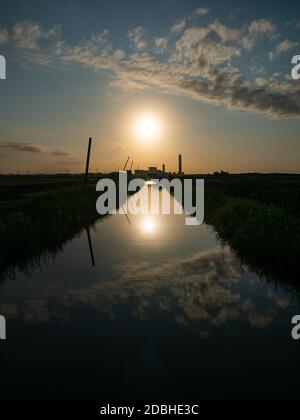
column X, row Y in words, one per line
column 281, row 190
column 40, row 224
column 266, row 237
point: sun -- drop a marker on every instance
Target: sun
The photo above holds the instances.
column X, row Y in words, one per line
column 147, row 127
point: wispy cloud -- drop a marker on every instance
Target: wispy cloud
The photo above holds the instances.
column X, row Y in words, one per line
column 161, row 45
column 258, row 29
column 224, row 32
column 200, row 62
column 282, row 47
column 136, row 35
column 201, row 11
column 27, row 34
column 178, row 26
column 3, row 36
column 59, row 153
column 28, row 147
column 262, row 26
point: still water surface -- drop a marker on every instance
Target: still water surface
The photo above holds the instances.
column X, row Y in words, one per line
column 166, row 312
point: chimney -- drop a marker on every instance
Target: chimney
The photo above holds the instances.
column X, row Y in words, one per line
column 180, row 164
column 164, row 168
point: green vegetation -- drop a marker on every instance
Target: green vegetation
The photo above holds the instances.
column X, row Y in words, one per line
column 282, row 190
column 261, row 223
column 40, row 224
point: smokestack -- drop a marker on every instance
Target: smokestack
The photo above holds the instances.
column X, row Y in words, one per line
column 164, row 168
column 180, row 164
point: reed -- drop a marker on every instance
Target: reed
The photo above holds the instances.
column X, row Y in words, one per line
column 266, row 237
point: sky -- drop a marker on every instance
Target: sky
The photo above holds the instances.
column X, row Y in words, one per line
column 214, row 76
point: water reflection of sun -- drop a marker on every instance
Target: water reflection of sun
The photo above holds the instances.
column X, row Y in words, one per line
column 149, row 225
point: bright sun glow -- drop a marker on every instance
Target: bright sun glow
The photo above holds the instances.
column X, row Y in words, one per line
column 147, row 127
column 149, row 225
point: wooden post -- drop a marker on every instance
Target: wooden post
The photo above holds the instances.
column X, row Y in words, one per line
column 88, row 162
column 90, row 246
column 125, row 166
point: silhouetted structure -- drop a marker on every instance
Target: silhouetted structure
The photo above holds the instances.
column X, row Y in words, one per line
column 88, row 161
column 126, row 163
column 180, row 164
column 90, row 246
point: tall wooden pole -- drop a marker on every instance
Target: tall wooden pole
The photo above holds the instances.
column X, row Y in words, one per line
column 88, row 162
column 180, row 164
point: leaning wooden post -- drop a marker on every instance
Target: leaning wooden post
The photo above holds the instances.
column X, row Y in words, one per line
column 90, row 246
column 88, row 162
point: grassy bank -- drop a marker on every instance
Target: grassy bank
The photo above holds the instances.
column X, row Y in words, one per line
column 266, row 237
column 39, row 225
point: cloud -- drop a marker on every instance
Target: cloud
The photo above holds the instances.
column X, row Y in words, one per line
column 196, row 47
column 95, row 52
column 256, row 67
column 161, row 45
column 3, row 36
column 285, row 45
column 136, row 35
column 200, row 292
column 59, row 153
column 256, row 30
column 234, row 92
column 225, row 33
column 27, row 34
column 208, row 83
column 178, row 26
column 201, row 64
column 262, row 26
column 194, row 69
column 289, row 86
column 27, row 147
column 22, row 147
column 201, row 11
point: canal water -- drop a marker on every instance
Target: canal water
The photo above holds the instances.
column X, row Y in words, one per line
column 166, row 311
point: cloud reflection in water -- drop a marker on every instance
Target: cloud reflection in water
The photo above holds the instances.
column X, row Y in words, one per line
column 200, row 293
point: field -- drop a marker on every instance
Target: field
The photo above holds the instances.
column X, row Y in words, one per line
column 16, row 187
column 257, row 215
column 282, row 190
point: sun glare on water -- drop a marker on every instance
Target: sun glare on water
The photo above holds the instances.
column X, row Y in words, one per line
column 149, row 225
